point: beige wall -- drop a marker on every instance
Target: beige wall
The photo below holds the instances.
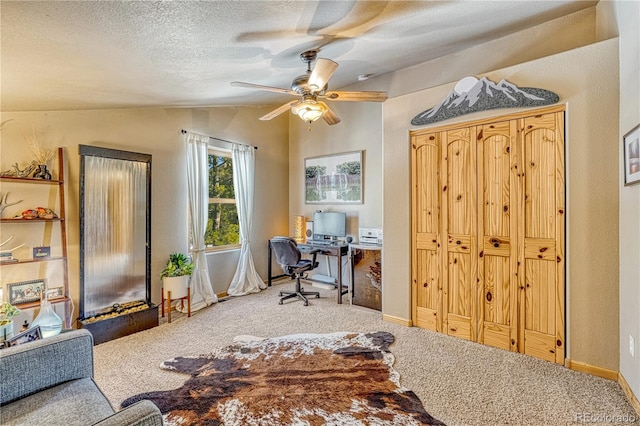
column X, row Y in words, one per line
column 342, row 137
column 585, row 79
column 621, row 18
column 157, row 132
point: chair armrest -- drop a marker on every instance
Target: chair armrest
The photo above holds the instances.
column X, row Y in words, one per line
column 142, row 413
column 31, row 367
column 314, row 252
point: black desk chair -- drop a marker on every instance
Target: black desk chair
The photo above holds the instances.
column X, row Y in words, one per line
column 290, row 259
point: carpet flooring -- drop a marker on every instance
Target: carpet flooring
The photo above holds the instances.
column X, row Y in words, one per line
column 458, row 382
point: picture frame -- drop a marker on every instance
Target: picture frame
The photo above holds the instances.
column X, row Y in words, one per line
column 30, row 335
column 26, row 291
column 43, row 252
column 334, row 179
column 54, row 293
column 631, row 145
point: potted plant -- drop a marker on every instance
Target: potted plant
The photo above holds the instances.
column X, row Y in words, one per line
column 7, row 312
column 175, row 280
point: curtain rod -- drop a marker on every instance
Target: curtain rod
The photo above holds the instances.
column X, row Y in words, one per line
column 183, row 131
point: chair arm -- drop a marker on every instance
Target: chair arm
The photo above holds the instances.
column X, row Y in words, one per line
column 314, row 254
column 142, row 413
column 31, row 367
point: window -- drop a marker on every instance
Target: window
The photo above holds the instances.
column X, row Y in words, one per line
column 223, row 230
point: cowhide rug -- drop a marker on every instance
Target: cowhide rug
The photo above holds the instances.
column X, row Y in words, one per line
column 304, row 379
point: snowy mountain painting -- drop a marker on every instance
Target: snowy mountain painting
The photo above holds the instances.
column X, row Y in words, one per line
column 473, row 95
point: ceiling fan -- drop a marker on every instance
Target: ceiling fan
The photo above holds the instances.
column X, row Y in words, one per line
column 311, row 89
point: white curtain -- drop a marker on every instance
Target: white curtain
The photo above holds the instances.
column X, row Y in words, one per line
column 202, row 294
column 246, row 280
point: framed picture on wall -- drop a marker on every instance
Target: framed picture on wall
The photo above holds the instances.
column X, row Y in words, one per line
column 334, row 179
column 631, row 142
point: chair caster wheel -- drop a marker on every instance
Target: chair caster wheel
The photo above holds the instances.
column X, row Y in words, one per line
column 280, row 294
column 306, row 303
column 280, row 302
column 317, row 296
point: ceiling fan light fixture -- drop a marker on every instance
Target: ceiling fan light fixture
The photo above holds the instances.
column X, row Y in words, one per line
column 309, row 110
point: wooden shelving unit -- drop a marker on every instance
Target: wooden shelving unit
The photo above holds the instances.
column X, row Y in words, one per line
column 66, row 299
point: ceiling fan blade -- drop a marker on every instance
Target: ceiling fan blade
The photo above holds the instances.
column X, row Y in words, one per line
column 330, row 117
column 276, row 112
column 260, row 87
column 322, row 72
column 356, row 96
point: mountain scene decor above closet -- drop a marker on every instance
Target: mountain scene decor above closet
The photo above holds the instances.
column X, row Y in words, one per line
column 473, row 95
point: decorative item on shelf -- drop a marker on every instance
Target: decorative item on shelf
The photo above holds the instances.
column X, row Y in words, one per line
column 42, row 156
column 26, row 291
column 7, row 313
column 50, row 323
column 15, row 170
column 9, row 251
column 3, row 202
column 7, row 257
column 175, row 281
column 37, row 213
column 42, row 172
column 43, row 252
column 300, row 228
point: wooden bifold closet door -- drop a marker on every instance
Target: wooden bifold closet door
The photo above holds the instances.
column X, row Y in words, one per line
column 488, row 232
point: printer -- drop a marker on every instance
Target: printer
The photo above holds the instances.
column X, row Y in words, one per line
column 370, row 236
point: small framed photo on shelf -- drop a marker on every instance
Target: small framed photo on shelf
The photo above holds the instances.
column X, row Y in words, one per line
column 631, row 142
column 30, row 335
column 26, row 291
column 43, row 252
column 55, row 293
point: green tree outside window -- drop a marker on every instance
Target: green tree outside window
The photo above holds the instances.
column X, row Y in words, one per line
column 222, row 225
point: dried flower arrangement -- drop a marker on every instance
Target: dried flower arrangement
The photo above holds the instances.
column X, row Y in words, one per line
column 41, row 153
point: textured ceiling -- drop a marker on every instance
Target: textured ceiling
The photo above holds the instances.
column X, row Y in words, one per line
column 113, row 54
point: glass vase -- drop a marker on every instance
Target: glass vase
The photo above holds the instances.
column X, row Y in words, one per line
column 49, row 322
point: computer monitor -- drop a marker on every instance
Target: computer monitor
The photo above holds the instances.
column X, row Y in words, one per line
column 329, row 224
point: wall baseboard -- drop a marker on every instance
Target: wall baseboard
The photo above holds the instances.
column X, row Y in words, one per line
column 629, row 393
column 590, row 369
column 397, row 320
column 222, row 295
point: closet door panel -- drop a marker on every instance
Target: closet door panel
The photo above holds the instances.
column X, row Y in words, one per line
column 497, row 302
column 542, row 242
column 459, row 225
column 427, row 287
column 497, row 228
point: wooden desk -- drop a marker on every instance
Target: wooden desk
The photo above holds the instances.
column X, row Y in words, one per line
column 337, row 250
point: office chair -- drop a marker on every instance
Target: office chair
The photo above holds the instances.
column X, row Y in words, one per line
column 289, row 257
